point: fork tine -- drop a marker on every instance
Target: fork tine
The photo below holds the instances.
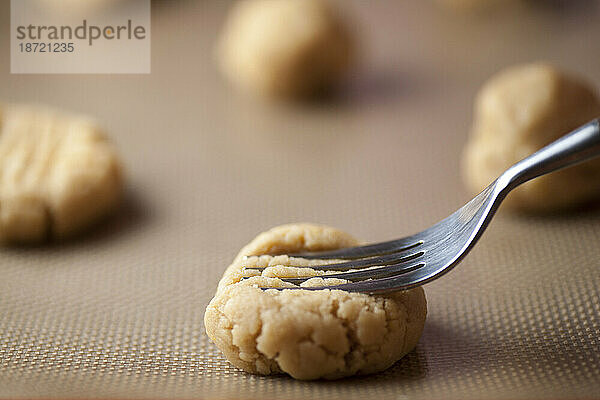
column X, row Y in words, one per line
column 370, row 250
column 398, row 281
column 389, row 259
column 362, row 275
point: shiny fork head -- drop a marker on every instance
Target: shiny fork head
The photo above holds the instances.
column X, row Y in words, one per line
column 408, row 262
column 420, row 258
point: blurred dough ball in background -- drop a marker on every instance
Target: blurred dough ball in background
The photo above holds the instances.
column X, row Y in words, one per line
column 519, row 111
column 284, row 48
column 58, row 174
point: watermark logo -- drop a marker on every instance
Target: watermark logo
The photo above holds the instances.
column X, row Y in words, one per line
column 80, row 36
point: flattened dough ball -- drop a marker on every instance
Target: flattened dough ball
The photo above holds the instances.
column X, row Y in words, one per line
column 307, row 334
column 284, row 48
column 58, row 174
column 519, row 111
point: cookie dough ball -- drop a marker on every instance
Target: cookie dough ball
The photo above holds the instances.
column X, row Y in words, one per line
column 58, row 174
column 519, row 111
column 285, row 48
column 307, row 334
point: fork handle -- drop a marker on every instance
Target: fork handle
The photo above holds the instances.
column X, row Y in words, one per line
column 580, row 145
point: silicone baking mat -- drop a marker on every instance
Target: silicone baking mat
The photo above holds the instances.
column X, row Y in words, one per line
column 118, row 313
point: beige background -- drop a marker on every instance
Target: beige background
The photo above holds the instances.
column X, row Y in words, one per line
column 119, row 313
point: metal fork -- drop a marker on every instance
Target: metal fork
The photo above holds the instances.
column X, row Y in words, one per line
column 414, row 260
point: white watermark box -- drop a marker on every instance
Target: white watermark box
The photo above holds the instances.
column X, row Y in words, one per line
column 80, row 36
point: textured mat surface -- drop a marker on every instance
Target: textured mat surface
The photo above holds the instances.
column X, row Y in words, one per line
column 118, row 314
